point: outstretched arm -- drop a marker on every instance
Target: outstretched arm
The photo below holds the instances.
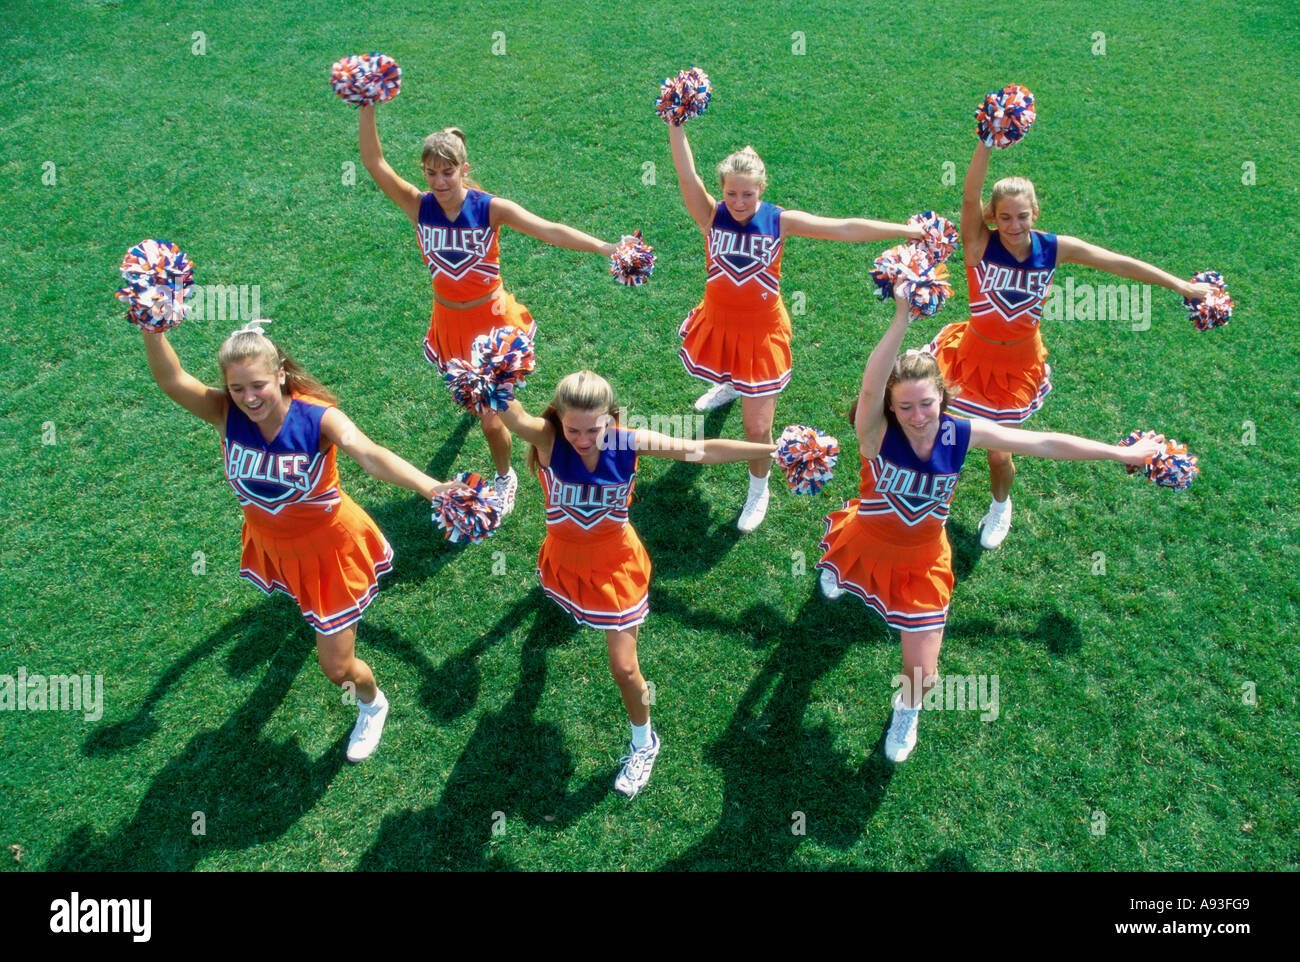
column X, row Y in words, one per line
column 974, row 232
column 208, row 403
column 509, row 213
column 535, row 431
column 378, row 462
column 1059, row 447
column 706, row 451
column 802, row 224
column 699, row 203
column 869, row 418
column 1075, row 251
column 405, row 195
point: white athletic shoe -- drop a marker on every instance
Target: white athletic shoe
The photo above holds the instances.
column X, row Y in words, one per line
column 995, row 525
column 715, row 397
column 828, row 585
column 506, row 485
column 755, row 510
column 637, row 766
column 368, row 729
column 902, row 731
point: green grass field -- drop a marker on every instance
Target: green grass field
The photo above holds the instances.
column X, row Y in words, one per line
column 1125, row 692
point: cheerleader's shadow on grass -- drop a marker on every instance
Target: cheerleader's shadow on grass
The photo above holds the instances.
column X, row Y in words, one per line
column 513, row 769
column 249, row 788
column 785, row 779
column 675, row 521
column 440, row 465
column 950, row 860
column 966, row 549
column 1049, row 628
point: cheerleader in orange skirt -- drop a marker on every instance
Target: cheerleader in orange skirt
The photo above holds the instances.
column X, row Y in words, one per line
column 738, row 337
column 592, row 564
column 889, row 546
column 456, row 225
column 280, row 430
column 997, row 358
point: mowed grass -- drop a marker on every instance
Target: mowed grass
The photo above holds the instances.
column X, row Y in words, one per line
column 1126, row 624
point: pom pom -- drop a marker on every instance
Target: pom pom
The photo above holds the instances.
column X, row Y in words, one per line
column 1216, row 309
column 807, row 457
column 1171, row 467
column 941, row 234
column 927, row 288
column 633, row 262
column 685, row 97
column 1005, row 116
column 499, row 362
column 468, row 515
column 362, row 80
column 159, row 278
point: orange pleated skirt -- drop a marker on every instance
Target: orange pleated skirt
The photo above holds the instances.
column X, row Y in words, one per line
column 603, row 583
column 747, row 349
column 909, row 587
column 332, row 572
column 999, row 382
column 452, row 332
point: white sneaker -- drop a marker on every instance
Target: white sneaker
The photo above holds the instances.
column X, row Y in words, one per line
column 636, row 767
column 715, row 397
column 828, row 585
column 368, row 729
column 995, row 525
column 506, row 485
column 755, row 510
column 902, row 731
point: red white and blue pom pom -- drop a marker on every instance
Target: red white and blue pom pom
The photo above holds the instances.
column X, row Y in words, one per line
column 471, row 515
column 362, row 80
column 1172, row 467
column 633, row 262
column 1216, row 309
column 159, row 279
column 941, row 234
column 683, row 97
column 1005, row 116
column 498, row 364
column 926, row 289
column 807, row 457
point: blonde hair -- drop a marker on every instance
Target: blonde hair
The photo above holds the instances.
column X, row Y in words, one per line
column 449, row 147
column 579, row 391
column 911, row 366
column 743, row 163
column 1010, row 187
column 249, row 345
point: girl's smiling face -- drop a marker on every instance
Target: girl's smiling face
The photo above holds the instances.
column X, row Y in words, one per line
column 741, row 194
column 255, row 389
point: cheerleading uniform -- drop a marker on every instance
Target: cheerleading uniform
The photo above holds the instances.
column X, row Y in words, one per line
column 302, row 535
column 740, row 333
column 997, row 357
column 592, row 564
column 889, row 546
column 464, row 263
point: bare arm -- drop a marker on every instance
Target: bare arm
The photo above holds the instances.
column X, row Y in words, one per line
column 378, row 461
column 802, row 224
column 708, row 451
column 405, row 195
column 1075, row 251
column 535, row 431
column 699, row 203
column 974, row 232
column 869, row 418
column 510, row 214
column 208, row 403
column 1057, row 447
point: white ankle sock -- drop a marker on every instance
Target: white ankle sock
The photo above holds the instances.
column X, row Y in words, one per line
column 641, row 735
column 756, row 485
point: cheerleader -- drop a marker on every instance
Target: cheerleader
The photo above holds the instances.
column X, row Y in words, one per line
column 592, row 564
column 738, row 337
column 997, row 358
column 280, row 430
column 889, row 546
column 456, row 225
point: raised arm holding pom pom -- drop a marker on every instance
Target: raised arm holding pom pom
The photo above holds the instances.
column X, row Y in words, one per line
column 302, row 534
column 889, row 546
column 738, row 338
